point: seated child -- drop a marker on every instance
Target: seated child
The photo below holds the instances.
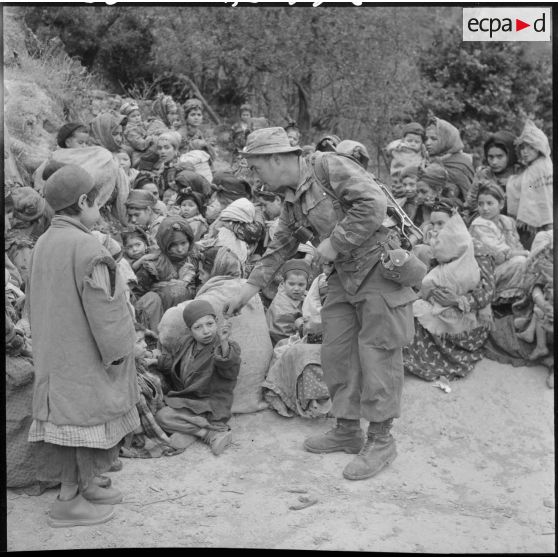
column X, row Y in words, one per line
column 408, row 150
column 190, row 206
column 529, row 193
column 135, row 245
column 202, row 376
column 405, row 190
column 172, row 277
column 125, row 163
column 284, row 315
column 498, row 235
column 73, row 135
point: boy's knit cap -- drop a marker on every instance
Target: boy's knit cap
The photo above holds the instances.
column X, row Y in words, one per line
column 195, row 310
column 297, row 264
column 66, row 185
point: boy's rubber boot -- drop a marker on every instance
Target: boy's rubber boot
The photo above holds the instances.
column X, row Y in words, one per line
column 346, row 436
column 99, row 495
column 78, row 511
column 218, row 441
column 377, row 452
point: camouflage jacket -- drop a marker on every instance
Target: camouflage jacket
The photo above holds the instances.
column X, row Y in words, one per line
column 335, row 198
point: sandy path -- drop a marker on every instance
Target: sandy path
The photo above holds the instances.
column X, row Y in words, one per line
column 475, row 474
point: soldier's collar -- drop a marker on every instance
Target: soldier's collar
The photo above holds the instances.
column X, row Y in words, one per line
column 305, row 177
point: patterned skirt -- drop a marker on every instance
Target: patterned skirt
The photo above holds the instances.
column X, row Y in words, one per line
column 453, row 356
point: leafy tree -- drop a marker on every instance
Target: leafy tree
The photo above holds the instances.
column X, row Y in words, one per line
column 482, row 87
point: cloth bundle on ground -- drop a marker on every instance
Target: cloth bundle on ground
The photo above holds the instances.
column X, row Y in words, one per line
column 20, row 458
column 103, row 167
column 152, row 442
column 295, row 382
column 458, row 271
column 529, row 193
column 249, row 330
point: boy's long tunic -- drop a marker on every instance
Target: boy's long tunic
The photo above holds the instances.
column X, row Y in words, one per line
column 366, row 318
column 81, row 396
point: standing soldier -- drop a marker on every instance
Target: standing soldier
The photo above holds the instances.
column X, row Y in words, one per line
column 367, row 318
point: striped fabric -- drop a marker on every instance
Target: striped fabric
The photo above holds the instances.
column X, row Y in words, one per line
column 101, row 436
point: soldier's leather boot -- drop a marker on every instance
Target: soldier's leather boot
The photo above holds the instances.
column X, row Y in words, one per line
column 377, row 452
column 346, row 436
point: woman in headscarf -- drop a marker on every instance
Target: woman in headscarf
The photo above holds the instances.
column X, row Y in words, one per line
column 529, row 193
column 453, row 316
column 234, row 228
column 497, row 234
column 106, row 131
column 432, row 185
column 172, row 277
column 226, row 188
column 444, row 146
column 165, row 115
column 500, row 164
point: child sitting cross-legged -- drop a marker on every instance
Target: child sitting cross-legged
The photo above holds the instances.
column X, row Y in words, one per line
column 202, row 376
column 284, row 315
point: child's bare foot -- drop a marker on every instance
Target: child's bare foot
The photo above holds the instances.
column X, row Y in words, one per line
column 520, row 323
column 528, row 335
column 538, row 352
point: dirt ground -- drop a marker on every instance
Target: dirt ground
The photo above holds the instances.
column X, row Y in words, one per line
column 475, row 474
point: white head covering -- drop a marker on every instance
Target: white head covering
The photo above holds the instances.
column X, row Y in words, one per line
column 241, row 210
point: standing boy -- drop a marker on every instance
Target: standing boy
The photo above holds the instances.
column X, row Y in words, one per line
column 85, row 392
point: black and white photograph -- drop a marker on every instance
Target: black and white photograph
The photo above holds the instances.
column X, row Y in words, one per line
column 279, row 276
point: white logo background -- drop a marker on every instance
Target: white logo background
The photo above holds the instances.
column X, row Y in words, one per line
column 500, row 16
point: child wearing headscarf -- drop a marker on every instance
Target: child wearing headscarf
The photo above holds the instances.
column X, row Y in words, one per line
column 444, row 146
column 500, row 164
column 172, row 277
column 529, row 193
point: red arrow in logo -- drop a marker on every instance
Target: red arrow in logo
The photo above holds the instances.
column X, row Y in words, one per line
column 519, row 25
